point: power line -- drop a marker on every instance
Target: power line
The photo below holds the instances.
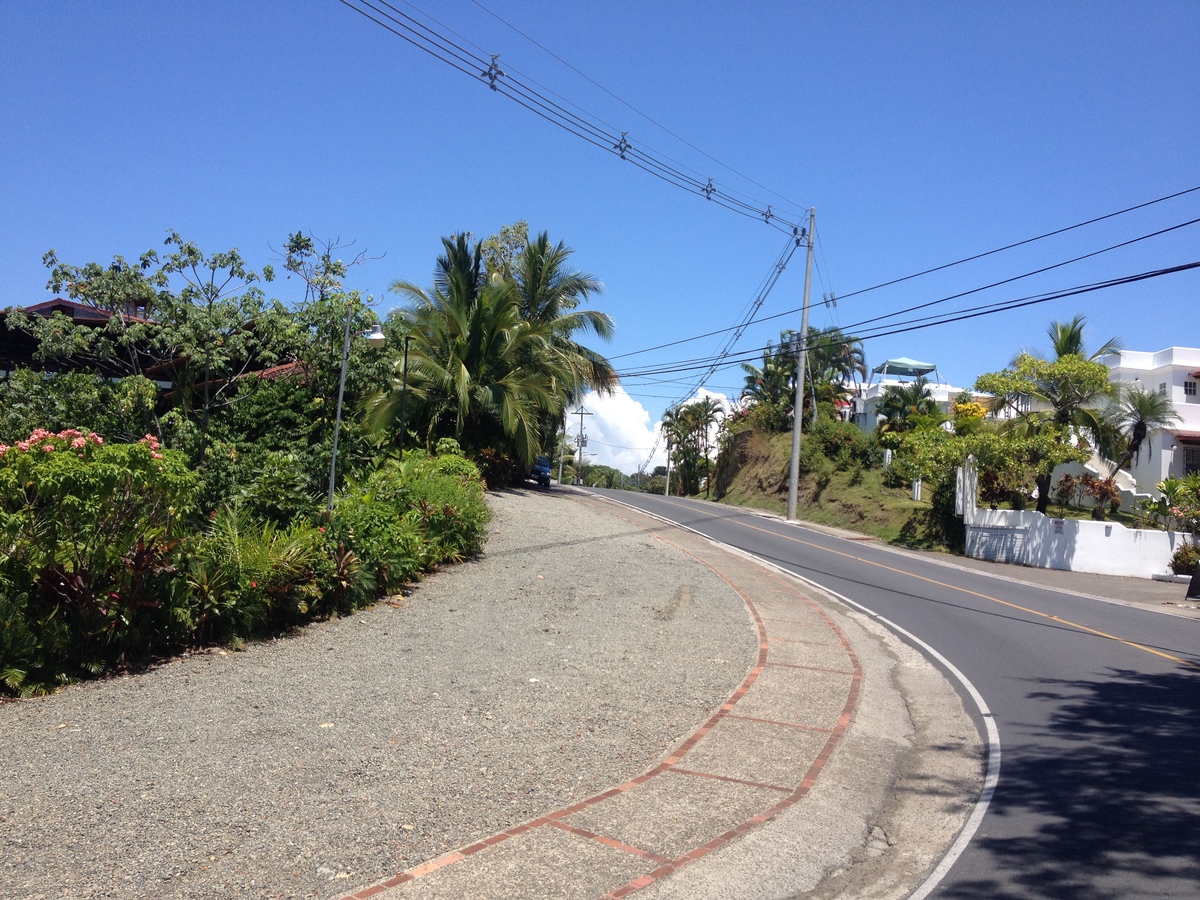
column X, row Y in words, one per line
column 630, row 106
column 765, row 288
column 941, row 319
column 868, row 321
column 589, row 129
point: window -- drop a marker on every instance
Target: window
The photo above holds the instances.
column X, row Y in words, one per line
column 1162, row 388
column 1189, row 389
column 1191, row 460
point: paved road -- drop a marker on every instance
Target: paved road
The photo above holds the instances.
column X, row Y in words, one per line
column 1097, row 707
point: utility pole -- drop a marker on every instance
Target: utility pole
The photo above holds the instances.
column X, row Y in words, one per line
column 667, row 488
column 801, row 367
column 581, row 412
column 562, row 451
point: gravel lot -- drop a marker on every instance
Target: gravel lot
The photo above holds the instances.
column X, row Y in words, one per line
column 569, row 658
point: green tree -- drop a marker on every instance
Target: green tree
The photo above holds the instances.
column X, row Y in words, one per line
column 1136, row 414
column 1066, row 339
column 493, row 352
column 550, row 295
column 905, row 406
column 478, row 371
column 688, row 429
column 199, row 321
column 774, row 380
column 1058, row 399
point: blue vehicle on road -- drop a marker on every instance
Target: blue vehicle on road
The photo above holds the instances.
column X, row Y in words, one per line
column 541, row 471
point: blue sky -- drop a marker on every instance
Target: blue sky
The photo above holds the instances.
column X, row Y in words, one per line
column 921, row 133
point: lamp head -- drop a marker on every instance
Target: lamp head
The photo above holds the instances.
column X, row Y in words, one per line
column 375, row 337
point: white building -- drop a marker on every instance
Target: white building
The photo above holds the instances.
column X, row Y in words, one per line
column 1175, row 373
column 902, row 372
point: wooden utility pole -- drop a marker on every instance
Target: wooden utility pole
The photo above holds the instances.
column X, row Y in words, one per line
column 801, row 368
column 581, row 412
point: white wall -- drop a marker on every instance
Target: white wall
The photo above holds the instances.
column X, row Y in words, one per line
column 1074, row 545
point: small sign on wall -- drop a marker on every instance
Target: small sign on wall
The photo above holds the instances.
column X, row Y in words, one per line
column 1058, row 526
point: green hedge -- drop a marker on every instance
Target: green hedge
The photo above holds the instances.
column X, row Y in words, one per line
column 105, row 562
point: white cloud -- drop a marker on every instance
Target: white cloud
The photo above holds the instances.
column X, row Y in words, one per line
column 620, row 433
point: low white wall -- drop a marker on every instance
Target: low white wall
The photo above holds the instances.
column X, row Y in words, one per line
column 1075, row 545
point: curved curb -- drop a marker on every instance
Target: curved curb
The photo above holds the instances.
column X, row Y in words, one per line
column 664, row 865
column 991, row 732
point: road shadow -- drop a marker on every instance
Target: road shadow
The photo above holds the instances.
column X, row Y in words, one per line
column 1111, row 782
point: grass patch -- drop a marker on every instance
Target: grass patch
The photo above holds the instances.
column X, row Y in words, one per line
column 855, row 499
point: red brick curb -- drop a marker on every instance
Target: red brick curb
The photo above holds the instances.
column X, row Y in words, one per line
column 668, row 866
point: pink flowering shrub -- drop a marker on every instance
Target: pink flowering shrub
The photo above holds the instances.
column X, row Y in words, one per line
column 87, row 544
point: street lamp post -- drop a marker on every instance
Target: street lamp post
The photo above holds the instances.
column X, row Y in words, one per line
column 404, row 394
column 376, row 338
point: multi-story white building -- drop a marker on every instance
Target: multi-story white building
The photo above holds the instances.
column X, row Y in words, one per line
column 903, row 372
column 1174, row 373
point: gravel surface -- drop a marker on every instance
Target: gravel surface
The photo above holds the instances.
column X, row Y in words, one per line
column 569, row 658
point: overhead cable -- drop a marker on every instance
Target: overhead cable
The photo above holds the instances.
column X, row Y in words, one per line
column 585, row 127
column 905, row 310
column 937, row 320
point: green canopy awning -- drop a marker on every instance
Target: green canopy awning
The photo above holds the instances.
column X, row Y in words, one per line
column 902, row 365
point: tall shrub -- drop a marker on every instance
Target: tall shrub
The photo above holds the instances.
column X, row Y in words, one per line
column 87, row 544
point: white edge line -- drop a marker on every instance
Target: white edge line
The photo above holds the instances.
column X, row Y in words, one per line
column 992, row 776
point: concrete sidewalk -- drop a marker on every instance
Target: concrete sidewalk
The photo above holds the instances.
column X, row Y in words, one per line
column 843, row 760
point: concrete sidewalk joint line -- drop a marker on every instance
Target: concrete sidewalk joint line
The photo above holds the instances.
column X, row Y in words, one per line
column 734, row 758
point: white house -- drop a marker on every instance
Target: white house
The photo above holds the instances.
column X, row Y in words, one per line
column 1175, row 373
column 902, row 372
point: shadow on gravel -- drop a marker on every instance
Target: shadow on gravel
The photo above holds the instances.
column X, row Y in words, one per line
column 1112, row 785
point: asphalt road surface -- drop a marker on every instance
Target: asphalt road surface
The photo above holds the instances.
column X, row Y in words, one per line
column 1097, row 706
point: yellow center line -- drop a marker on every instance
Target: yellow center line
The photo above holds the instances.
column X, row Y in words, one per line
column 954, row 587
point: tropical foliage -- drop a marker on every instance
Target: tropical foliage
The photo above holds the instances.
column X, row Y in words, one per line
column 1061, row 400
column 493, row 359
column 688, row 430
column 200, row 516
column 105, row 561
column 903, row 407
column 1136, row 414
column 833, row 360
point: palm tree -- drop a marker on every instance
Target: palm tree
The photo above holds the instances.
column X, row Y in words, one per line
column 901, row 404
column 1136, row 414
column 773, row 381
column 705, row 413
column 835, row 356
column 478, row 370
column 549, row 295
column 833, row 360
column 1066, row 339
column 687, row 429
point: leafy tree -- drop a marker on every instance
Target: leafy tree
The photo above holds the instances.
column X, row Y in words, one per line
column 833, row 360
column 1013, row 458
column 122, row 410
column 835, row 355
column 493, row 359
column 688, row 429
column 773, row 381
column 550, row 295
column 200, row 321
column 1056, row 398
column 500, row 250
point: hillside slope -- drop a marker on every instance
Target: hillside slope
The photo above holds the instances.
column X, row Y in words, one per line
column 753, row 471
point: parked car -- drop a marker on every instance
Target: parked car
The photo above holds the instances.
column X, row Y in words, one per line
column 541, row 471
